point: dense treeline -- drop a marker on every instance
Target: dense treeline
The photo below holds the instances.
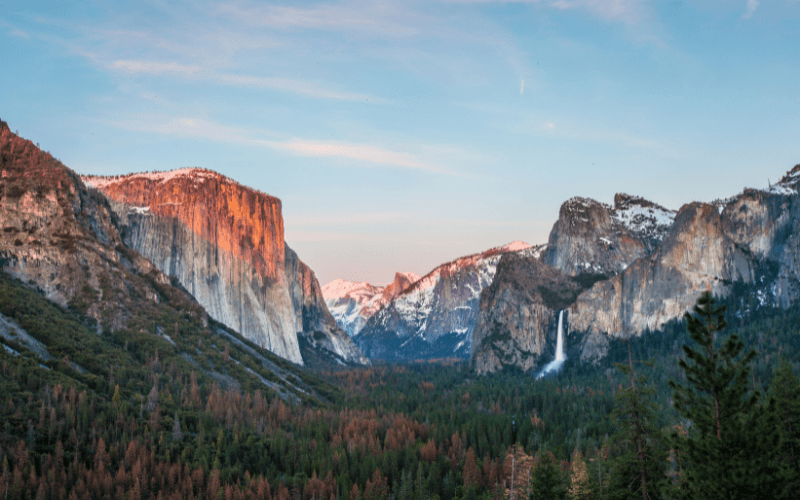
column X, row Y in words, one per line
column 142, row 421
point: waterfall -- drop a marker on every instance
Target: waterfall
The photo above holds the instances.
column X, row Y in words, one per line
column 560, row 341
column 554, row 365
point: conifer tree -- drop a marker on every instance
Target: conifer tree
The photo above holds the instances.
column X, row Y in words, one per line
column 785, row 407
column 546, row 480
column 580, row 487
column 728, row 449
column 639, row 468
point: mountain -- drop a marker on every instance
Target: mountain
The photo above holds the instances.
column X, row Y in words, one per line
column 592, row 238
column 516, row 321
column 81, row 308
column 434, row 317
column 639, row 266
column 353, row 303
column 223, row 242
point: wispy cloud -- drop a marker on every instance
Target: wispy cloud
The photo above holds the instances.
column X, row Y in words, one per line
column 292, row 85
column 289, row 85
column 627, row 11
column 153, row 68
column 360, row 152
column 364, row 153
column 750, row 9
column 363, row 17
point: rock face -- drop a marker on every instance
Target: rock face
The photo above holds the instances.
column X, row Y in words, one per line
column 648, row 222
column 695, row 256
column 353, row 303
column 435, row 316
column 59, row 236
column 224, row 244
column 586, row 239
column 652, row 265
column 518, row 315
column 311, row 313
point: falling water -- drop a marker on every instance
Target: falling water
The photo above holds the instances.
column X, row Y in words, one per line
column 554, row 365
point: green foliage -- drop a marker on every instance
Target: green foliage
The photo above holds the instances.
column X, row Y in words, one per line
column 547, row 481
column 785, row 409
column 727, row 448
column 638, row 470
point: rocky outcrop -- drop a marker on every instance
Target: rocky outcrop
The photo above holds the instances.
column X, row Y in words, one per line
column 62, row 238
column 353, row 303
column 695, row 256
column 648, row 222
column 517, row 320
column 586, row 239
column 435, row 316
column 224, row 243
column 311, row 313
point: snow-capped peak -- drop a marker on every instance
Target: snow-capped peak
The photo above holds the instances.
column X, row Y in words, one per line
column 515, row 246
column 788, row 184
column 340, row 288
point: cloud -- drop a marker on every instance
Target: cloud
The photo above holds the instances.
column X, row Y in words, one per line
column 289, row 85
column 360, row 152
column 153, row 68
column 521, row 86
column 362, row 17
column 205, row 129
column 195, row 72
column 626, row 11
column 750, row 9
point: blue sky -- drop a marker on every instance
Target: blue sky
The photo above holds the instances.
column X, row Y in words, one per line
column 402, row 134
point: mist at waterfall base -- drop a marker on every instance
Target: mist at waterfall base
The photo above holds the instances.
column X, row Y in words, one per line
column 555, row 365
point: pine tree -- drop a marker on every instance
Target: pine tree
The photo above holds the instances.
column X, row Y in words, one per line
column 639, row 469
column 580, row 483
column 471, row 473
column 785, row 407
column 728, row 449
column 546, row 480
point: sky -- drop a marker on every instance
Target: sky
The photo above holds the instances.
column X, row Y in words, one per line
column 403, row 134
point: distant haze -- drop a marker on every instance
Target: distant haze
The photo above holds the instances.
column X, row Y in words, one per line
column 401, row 135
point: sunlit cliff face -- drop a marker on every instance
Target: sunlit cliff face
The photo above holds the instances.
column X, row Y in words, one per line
column 246, row 223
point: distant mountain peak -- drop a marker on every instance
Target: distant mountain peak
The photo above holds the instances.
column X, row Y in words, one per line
column 789, row 183
column 352, row 303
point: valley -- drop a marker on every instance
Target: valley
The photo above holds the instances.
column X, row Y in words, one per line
column 161, row 340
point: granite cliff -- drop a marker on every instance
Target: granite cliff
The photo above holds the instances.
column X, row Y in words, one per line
column 224, row 243
column 639, row 265
column 517, row 317
column 61, row 242
column 592, row 238
column 62, row 238
column 696, row 255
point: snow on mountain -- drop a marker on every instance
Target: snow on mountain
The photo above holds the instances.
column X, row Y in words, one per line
column 353, row 303
column 789, row 183
column 435, row 316
column 645, row 219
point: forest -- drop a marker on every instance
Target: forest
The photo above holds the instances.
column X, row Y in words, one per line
column 700, row 409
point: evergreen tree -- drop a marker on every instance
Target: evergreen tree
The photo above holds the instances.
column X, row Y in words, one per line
column 728, row 449
column 639, row 469
column 580, row 484
column 785, row 406
column 546, row 480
